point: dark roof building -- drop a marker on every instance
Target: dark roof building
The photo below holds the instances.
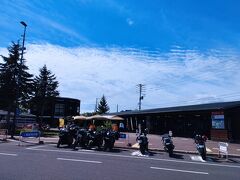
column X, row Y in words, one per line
column 219, row 121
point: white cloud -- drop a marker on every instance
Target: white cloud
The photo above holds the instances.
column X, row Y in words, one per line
column 176, row 78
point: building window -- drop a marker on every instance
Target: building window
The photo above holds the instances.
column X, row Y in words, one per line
column 59, row 110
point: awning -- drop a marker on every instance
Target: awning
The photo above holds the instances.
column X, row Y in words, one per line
column 105, row 117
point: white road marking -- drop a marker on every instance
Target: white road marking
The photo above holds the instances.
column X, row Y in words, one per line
column 7, row 154
column 86, row 150
column 35, row 147
column 238, row 149
column 178, row 170
column 32, row 148
column 136, row 157
column 79, row 160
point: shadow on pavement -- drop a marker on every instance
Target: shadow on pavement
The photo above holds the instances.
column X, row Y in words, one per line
column 177, row 156
column 223, row 160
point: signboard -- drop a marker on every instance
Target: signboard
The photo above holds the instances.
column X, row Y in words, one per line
column 61, row 123
column 223, row 149
column 218, row 120
column 30, row 134
column 121, row 125
column 123, row 136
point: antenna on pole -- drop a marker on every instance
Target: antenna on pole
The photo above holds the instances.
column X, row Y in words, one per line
column 96, row 105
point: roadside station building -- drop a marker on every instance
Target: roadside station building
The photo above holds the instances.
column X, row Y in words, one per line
column 58, row 107
column 219, row 121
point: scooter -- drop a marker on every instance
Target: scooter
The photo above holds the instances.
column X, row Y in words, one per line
column 200, row 145
column 168, row 144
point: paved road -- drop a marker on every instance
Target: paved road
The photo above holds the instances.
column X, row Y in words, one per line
column 48, row 162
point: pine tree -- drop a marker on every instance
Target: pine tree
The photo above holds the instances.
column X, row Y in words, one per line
column 102, row 106
column 45, row 87
column 15, row 81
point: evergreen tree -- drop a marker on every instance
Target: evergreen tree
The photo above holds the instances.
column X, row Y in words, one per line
column 102, row 106
column 15, row 81
column 45, row 87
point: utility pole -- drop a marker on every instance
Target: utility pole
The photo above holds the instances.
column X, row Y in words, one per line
column 117, row 107
column 141, row 90
column 96, row 105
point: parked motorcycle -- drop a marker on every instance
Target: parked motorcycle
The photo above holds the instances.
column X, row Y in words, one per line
column 67, row 135
column 94, row 138
column 81, row 138
column 168, row 144
column 200, row 145
column 109, row 137
column 143, row 142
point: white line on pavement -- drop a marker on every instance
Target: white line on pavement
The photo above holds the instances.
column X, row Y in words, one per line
column 35, row 147
column 238, row 149
column 178, row 170
column 136, row 157
column 79, row 160
column 7, row 154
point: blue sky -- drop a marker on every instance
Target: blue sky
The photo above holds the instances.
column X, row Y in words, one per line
column 184, row 51
column 142, row 24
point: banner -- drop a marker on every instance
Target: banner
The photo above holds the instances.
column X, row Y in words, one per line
column 218, row 120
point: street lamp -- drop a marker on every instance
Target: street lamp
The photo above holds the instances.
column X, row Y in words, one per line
column 23, row 48
column 19, row 79
column 21, row 61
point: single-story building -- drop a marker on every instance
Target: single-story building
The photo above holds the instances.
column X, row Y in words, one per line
column 219, row 121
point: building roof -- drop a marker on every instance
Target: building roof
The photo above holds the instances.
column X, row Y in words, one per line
column 198, row 107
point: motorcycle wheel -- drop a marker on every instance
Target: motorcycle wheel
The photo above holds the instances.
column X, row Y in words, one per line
column 203, row 156
column 100, row 143
column 170, row 152
column 75, row 144
column 70, row 141
column 58, row 144
column 104, row 147
column 142, row 149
